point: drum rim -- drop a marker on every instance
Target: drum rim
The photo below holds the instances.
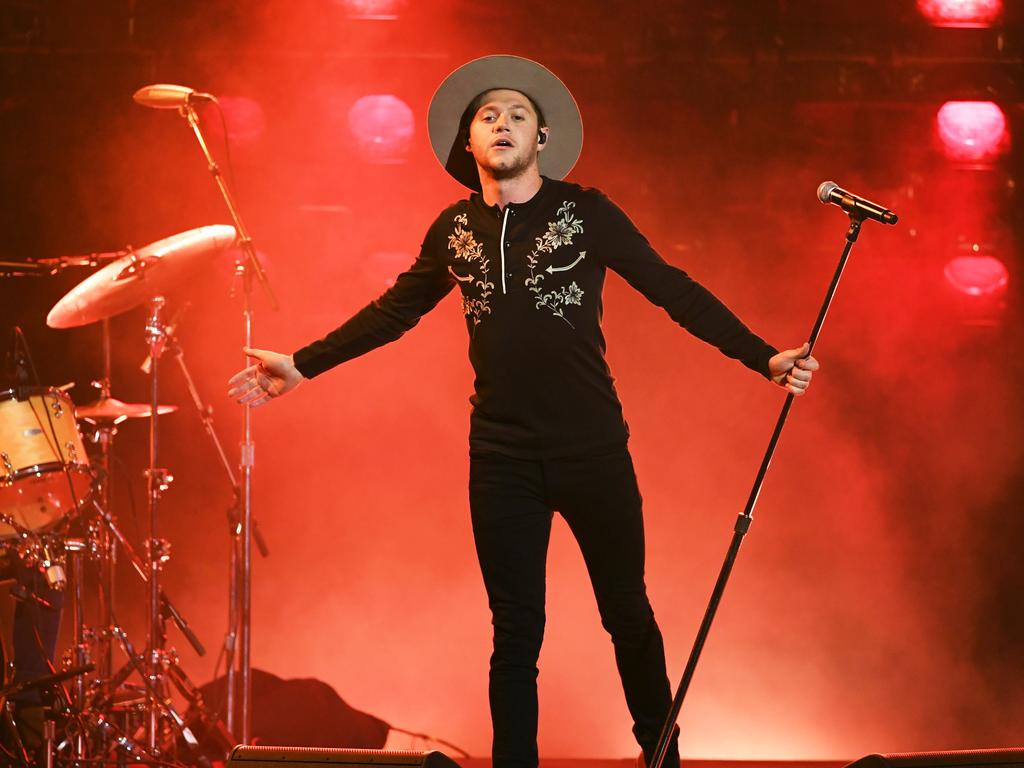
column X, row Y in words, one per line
column 11, row 393
column 44, row 469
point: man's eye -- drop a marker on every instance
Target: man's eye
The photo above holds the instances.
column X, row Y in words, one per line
column 518, row 117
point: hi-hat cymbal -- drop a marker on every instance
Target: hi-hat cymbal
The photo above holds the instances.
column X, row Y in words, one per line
column 112, row 409
column 140, row 276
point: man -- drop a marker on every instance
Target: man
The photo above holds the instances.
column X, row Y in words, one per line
column 529, row 254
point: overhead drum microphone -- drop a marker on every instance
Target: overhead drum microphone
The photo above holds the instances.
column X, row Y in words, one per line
column 830, row 192
column 165, row 96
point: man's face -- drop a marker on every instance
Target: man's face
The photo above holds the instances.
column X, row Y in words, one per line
column 503, row 134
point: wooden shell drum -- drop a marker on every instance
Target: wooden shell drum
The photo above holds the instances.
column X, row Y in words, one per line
column 44, row 469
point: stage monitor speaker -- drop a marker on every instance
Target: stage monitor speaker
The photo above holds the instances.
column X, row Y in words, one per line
column 281, row 757
column 973, row 758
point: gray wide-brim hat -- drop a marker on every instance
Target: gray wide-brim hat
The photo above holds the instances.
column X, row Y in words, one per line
column 453, row 96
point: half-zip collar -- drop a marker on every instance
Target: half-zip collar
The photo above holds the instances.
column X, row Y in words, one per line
column 501, row 244
column 477, row 200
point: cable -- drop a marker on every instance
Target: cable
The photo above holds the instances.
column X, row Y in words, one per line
column 227, row 145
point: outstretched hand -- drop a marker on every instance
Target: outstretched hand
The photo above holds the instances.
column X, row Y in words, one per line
column 272, row 375
column 793, row 368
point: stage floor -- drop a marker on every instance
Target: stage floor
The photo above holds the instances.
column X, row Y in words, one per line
column 582, row 762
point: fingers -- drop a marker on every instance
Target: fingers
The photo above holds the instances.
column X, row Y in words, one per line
column 808, row 364
column 246, row 374
column 255, row 396
column 799, row 374
column 793, row 383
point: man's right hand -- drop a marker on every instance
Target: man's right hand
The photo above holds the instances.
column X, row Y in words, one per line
column 273, row 375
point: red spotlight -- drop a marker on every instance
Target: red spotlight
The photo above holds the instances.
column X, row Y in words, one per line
column 244, row 117
column 376, row 10
column 977, row 275
column 382, row 126
column 972, row 131
column 961, row 13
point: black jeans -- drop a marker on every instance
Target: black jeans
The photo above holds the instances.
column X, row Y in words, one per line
column 512, row 502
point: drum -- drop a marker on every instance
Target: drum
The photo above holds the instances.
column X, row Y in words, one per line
column 44, row 469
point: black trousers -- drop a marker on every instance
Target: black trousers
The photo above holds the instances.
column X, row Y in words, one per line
column 512, row 502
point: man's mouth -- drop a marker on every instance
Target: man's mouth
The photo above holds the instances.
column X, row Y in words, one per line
column 502, row 143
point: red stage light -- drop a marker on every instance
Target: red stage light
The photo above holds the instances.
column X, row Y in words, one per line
column 377, row 10
column 961, row 13
column 244, row 117
column 972, row 131
column 383, row 127
column 977, row 275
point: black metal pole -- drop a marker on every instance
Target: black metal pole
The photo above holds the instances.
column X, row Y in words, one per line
column 744, row 519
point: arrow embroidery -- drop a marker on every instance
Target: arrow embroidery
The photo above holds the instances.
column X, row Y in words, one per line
column 552, row 270
column 461, row 279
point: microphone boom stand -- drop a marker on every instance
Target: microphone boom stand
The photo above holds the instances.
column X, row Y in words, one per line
column 249, row 265
column 745, row 517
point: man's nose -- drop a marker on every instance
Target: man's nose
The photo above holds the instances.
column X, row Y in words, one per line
column 501, row 123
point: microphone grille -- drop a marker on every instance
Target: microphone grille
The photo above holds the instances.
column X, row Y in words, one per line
column 825, row 190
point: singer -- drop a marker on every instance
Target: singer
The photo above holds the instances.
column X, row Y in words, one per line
column 528, row 252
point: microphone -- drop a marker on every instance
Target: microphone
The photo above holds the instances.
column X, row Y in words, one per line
column 164, row 96
column 830, row 192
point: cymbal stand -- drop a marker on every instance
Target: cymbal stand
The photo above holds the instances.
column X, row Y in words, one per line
column 167, row 608
column 249, row 266
column 103, row 436
column 157, row 549
column 76, row 550
column 170, row 666
column 235, row 531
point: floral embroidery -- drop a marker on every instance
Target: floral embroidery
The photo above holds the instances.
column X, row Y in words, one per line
column 559, row 233
column 464, row 243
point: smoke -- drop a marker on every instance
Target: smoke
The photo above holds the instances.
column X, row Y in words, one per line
column 872, row 606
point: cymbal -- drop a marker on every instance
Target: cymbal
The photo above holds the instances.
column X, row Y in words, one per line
column 112, row 409
column 140, row 276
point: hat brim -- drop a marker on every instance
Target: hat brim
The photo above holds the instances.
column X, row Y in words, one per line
column 451, row 98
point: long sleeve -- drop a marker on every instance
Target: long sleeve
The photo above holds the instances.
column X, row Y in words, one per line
column 627, row 252
column 415, row 292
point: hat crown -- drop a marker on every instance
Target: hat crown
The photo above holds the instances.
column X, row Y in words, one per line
column 447, row 116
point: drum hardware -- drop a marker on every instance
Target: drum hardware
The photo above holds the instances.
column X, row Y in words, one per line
column 123, row 284
column 168, row 610
column 21, row 269
column 49, row 682
column 163, row 662
column 82, row 634
column 57, row 264
column 110, row 409
column 127, row 279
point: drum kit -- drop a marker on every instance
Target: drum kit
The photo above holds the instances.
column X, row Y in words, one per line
column 110, row 703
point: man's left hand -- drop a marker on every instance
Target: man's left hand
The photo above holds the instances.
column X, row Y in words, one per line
column 793, row 368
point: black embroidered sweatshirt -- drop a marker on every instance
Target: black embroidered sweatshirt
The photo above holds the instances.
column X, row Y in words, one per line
column 531, row 278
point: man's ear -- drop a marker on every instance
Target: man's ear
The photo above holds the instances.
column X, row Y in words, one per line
column 542, row 138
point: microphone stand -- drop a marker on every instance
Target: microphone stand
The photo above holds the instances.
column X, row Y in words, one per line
column 669, row 729
column 234, row 531
column 248, row 266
